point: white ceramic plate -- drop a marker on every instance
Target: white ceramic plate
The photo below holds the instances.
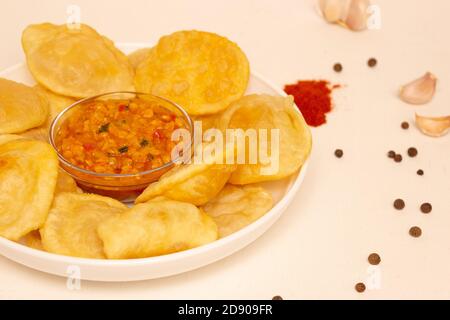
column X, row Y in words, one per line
column 283, row 192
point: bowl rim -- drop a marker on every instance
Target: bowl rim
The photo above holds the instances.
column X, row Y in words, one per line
column 116, row 175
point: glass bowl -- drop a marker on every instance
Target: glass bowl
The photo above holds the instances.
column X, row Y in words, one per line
column 124, row 187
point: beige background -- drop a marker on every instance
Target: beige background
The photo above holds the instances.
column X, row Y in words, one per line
column 343, row 212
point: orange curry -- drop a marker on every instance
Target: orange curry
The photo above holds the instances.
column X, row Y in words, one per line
column 118, row 136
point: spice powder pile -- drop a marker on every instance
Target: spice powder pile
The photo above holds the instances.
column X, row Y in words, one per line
column 313, row 98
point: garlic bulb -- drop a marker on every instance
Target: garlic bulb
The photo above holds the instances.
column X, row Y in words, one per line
column 419, row 91
column 352, row 14
column 433, row 127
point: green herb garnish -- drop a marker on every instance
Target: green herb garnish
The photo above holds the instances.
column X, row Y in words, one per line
column 123, row 149
column 144, row 142
column 104, row 128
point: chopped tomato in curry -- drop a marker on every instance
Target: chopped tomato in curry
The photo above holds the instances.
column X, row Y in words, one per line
column 118, row 136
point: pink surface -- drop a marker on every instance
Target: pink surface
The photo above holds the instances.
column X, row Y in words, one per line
column 319, row 248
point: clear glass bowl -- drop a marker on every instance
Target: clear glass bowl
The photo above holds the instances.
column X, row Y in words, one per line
column 124, row 187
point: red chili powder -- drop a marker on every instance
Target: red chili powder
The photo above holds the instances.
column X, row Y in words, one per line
column 313, row 98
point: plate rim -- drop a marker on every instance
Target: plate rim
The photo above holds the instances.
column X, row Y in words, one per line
column 278, row 209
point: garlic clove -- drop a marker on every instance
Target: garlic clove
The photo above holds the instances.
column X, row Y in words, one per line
column 333, row 10
column 433, row 127
column 419, row 91
column 357, row 15
column 351, row 14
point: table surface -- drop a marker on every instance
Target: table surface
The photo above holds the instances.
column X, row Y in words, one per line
column 343, row 212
